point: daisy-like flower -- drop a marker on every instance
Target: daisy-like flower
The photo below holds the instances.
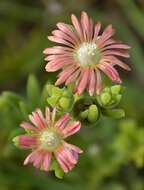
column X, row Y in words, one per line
column 46, row 137
column 83, row 53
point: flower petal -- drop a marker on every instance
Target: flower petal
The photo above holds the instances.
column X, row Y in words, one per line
column 71, row 129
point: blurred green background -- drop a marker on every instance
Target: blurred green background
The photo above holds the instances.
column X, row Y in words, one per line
column 113, row 156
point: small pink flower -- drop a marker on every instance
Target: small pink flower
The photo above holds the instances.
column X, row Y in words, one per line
column 85, row 52
column 46, row 137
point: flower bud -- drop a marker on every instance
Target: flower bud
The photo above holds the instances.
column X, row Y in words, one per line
column 93, row 113
column 65, row 103
column 116, row 89
column 105, row 98
column 84, row 114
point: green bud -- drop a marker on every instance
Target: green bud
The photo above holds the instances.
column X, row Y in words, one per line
column 64, row 103
column 57, row 92
column 52, row 101
column 116, row 89
column 107, row 89
column 16, row 141
column 118, row 98
column 93, row 113
column 66, row 93
column 84, row 114
column 105, row 98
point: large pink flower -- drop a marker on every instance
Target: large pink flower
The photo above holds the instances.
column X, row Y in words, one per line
column 46, row 137
column 85, row 52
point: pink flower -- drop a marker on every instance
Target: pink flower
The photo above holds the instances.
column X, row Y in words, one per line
column 85, row 52
column 46, row 137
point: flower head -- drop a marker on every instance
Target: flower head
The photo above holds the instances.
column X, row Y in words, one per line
column 83, row 53
column 46, row 137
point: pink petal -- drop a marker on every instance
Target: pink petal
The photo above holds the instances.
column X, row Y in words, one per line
column 73, row 77
column 46, row 161
column 83, row 81
column 66, row 29
column 38, row 160
column 118, row 53
column 64, row 36
column 98, row 82
column 73, row 147
column 116, row 61
column 65, row 74
column 27, row 141
column 61, row 41
column 62, row 163
column 28, row 126
column 77, row 26
column 37, row 120
column 117, row 46
column 110, row 72
column 85, row 25
column 57, row 50
column 61, row 123
column 96, row 31
column 108, row 32
column 54, row 66
column 92, row 83
column 71, row 129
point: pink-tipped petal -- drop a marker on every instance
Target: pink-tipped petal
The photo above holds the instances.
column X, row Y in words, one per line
column 27, row 141
column 73, row 147
column 83, row 81
column 77, row 26
column 92, row 83
column 46, row 161
column 60, row 41
column 98, row 82
column 118, row 53
column 116, row 61
column 61, row 123
column 96, row 31
column 85, row 25
column 73, row 77
column 67, row 29
column 71, row 129
column 28, row 126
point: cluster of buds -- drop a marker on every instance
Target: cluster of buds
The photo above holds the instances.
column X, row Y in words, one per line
column 86, row 52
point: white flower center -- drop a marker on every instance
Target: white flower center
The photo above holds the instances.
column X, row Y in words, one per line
column 88, row 54
column 50, row 140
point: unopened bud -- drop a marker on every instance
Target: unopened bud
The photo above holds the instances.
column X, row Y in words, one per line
column 105, row 98
column 93, row 113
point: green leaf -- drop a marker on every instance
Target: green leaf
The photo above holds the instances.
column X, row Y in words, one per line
column 24, row 109
column 33, row 90
column 114, row 113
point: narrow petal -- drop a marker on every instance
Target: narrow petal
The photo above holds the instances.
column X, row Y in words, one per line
column 57, row 50
column 110, row 72
column 46, row 161
column 108, row 32
column 65, row 74
column 117, row 46
column 85, row 25
column 67, row 29
column 73, row 77
column 63, row 36
column 54, row 66
column 92, row 83
column 27, row 141
column 118, row 53
column 116, row 61
column 98, row 82
column 37, row 120
column 96, row 31
column 28, row 126
column 71, row 129
column 77, row 26
column 61, row 41
column 61, row 123
column 83, row 81
column 73, row 147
